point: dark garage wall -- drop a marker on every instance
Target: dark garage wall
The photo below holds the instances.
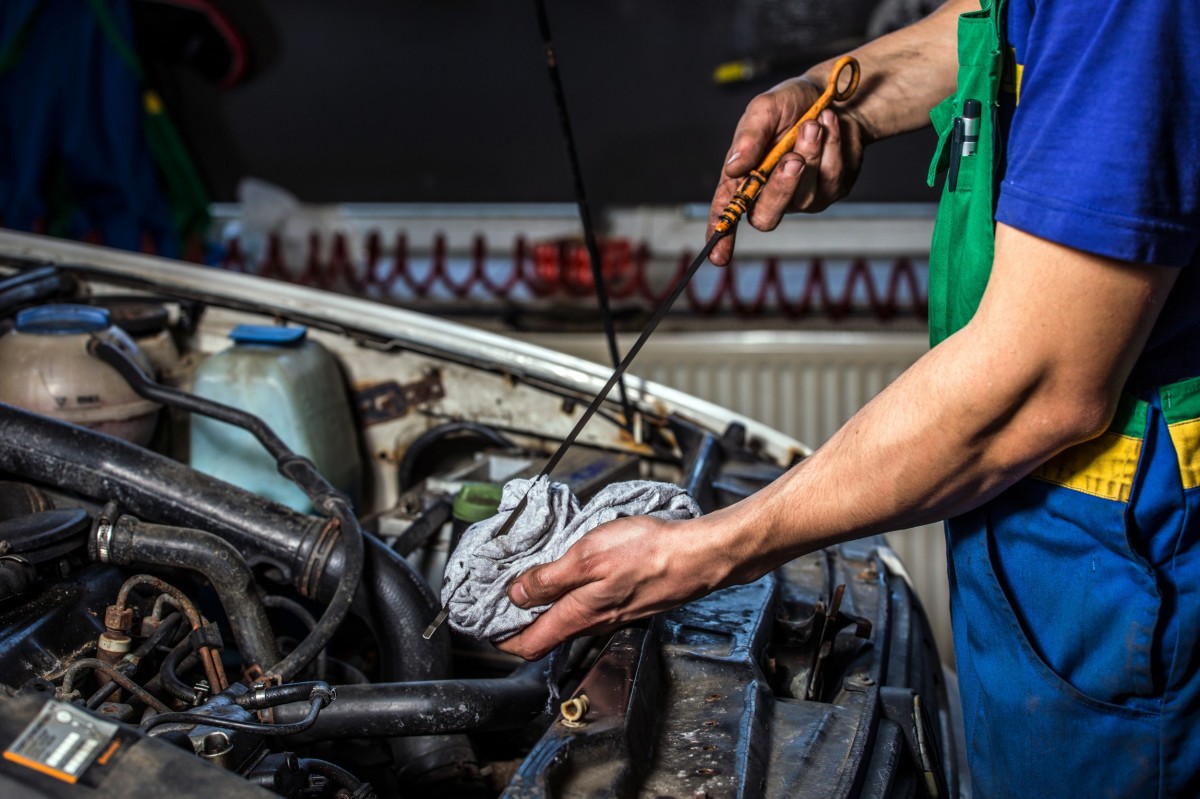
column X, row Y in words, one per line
column 448, row 100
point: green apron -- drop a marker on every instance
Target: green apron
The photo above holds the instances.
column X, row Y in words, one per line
column 960, row 258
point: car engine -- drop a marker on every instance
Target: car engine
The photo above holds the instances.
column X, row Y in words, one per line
column 169, row 627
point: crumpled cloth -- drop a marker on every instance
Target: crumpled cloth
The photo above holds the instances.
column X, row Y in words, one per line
column 480, row 569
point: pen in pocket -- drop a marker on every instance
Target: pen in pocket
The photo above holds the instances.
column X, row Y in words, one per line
column 964, row 139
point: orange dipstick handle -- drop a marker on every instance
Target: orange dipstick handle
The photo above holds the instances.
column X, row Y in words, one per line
column 752, row 185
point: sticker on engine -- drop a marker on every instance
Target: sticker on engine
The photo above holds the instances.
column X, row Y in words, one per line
column 62, row 741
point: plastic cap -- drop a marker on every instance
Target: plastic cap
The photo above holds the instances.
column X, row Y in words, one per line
column 62, row 320
column 477, row 501
column 268, row 334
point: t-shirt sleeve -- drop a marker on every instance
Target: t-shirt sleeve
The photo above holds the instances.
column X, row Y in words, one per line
column 1103, row 152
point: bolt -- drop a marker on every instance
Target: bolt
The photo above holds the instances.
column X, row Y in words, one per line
column 859, row 681
column 575, row 709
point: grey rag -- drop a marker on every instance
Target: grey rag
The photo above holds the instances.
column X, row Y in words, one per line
column 483, row 565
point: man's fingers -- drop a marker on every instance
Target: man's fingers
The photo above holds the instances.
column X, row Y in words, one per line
column 832, row 162
column 723, row 252
column 810, row 144
column 566, row 619
column 776, row 196
column 544, row 584
column 758, row 127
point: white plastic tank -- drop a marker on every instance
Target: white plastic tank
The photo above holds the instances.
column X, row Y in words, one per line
column 296, row 387
column 45, row 367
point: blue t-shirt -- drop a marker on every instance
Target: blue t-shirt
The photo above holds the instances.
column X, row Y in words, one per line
column 1103, row 150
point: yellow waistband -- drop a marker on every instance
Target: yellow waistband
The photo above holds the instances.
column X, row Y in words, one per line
column 1105, row 466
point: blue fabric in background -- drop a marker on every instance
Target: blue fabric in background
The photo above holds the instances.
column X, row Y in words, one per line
column 74, row 160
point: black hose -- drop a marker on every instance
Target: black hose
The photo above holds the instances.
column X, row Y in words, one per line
column 293, row 728
column 397, row 604
column 307, row 619
column 426, row 526
column 271, row 696
column 168, row 672
column 438, row 436
column 130, row 541
column 435, row 707
column 33, row 286
column 336, row 774
column 393, row 598
column 350, row 674
column 189, row 662
column 16, row 577
column 21, row 499
column 298, row 469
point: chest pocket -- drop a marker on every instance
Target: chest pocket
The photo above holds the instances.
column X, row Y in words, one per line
column 960, row 257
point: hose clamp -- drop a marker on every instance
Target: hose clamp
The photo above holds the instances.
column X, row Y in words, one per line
column 104, row 532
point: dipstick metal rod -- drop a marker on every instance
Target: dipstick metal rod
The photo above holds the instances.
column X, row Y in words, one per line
column 581, row 200
column 728, row 220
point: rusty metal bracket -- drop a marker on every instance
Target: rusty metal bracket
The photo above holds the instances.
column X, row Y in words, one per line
column 823, row 625
column 390, row 400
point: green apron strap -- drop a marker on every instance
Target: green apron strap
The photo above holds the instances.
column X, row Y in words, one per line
column 960, row 257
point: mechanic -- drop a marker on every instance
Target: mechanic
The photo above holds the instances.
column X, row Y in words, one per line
column 1056, row 423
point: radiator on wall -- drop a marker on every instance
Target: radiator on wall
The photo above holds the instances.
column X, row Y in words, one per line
column 806, row 384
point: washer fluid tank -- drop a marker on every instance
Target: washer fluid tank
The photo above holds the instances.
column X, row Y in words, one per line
column 295, row 386
column 46, row 368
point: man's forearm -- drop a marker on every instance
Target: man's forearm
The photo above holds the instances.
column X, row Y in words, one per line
column 1038, row 369
column 905, row 73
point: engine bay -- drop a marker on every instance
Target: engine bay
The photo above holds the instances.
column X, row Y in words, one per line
column 225, row 510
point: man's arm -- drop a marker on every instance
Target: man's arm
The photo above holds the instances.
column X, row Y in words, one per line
column 904, row 74
column 1039, row 368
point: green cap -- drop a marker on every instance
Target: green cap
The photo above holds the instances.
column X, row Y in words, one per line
column 477, row 501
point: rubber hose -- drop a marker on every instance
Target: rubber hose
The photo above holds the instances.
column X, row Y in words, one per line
column 137, row 542
column 297, row 468
column 435, row 707
column 21, row 499
column 168, row 672
column 336, row 774
column 33, row 286
column 393, row 598
column 301, row 613
column 437, row 435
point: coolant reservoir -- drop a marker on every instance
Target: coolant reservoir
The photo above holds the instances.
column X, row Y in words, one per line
column 295, row 386
column 46, row 368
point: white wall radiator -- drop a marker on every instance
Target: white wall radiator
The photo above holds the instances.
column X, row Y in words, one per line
column 806, row 384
